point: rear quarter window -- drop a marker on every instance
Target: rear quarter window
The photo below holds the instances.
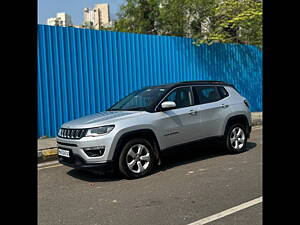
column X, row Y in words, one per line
column 206, row 94
column 223, row 92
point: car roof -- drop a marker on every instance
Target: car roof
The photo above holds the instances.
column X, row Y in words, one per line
column 197, row 82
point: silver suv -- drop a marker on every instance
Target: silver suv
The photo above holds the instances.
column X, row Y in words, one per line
column 131, row 134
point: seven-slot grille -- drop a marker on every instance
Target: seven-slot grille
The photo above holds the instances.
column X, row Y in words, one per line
column 71, row 133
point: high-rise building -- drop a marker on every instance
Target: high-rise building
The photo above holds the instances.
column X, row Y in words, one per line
column 97, row 17
column 61, row 19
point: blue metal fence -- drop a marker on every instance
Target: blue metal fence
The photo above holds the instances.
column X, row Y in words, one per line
column 81, row 71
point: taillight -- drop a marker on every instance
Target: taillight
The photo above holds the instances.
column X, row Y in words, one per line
column 246, row 103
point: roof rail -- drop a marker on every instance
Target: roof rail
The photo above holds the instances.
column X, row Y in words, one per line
column 204, row 82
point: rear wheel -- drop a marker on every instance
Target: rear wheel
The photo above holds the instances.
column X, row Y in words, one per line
column 236, row 138
column 136, row 159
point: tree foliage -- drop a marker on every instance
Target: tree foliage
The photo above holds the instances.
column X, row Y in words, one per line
column 235, row 22
column 206, row 21
column 172, row 17
column 138, row 16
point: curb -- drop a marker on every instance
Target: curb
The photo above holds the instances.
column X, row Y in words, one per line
column 50, row 154
column 46, row 155
column 256, row 123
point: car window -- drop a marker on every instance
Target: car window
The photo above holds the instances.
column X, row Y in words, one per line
column 223, row 92
column 139, row 100
column 206, row 94
column 181, row 96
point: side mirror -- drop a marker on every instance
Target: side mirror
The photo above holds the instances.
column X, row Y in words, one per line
column 168, row 105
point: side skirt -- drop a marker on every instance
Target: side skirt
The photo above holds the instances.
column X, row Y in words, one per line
column 217, row 138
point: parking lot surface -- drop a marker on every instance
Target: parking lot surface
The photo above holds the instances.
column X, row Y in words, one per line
column 194, row 182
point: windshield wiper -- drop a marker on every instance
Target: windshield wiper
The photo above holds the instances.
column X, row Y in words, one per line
column 136, row 109
column 114, row 110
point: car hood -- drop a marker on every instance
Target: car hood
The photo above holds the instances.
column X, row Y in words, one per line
column 99, row 119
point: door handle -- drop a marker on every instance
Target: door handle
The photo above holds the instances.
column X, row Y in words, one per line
column 192, row 112
column 224, row 106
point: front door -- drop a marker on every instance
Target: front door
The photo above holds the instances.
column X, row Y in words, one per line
column 178, row 125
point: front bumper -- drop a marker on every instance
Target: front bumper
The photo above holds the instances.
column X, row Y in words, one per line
column 78, row 148
column 80, row 159
column 77, row 162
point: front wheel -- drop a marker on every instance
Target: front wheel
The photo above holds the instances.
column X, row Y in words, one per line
column 236, row 138
column 136, row 159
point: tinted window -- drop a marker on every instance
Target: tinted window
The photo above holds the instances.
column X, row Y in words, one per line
column 139, row 100
column 206, row 94
column 181, row 96
column 223, row 92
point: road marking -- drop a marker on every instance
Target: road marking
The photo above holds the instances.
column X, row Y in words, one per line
column 46, row 167
column 55, row 162
column 227, row 212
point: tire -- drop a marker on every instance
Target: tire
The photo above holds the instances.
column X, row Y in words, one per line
column 236, row 139
column 136, row 159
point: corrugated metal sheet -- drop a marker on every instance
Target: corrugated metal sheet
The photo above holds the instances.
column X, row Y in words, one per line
column 83, row 71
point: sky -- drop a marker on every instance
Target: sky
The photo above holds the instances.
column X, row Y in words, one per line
column 49, row 8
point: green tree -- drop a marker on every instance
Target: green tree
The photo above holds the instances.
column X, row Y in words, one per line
column 138, row 16
column 172, row 18
column 164, row 17
column 206, row 21
column 201, row 17
column 234, row 21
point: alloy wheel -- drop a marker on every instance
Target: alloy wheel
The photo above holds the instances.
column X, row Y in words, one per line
column 138, row 158
column 237, row 138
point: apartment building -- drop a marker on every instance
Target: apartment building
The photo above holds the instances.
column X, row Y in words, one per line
column 97, row 17
column 62, row 19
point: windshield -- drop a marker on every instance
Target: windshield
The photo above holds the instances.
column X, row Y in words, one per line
column 139, row 100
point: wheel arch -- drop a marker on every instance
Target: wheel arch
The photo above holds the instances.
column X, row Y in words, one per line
column 147, row 134
column 242, row 119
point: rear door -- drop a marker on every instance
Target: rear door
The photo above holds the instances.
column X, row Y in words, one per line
column 212, row 107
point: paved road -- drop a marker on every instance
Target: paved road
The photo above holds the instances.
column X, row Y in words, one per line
column 194, row 182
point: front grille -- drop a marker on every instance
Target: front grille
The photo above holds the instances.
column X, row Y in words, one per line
column 71, row 133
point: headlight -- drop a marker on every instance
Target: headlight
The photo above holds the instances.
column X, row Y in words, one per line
column 94, row 132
